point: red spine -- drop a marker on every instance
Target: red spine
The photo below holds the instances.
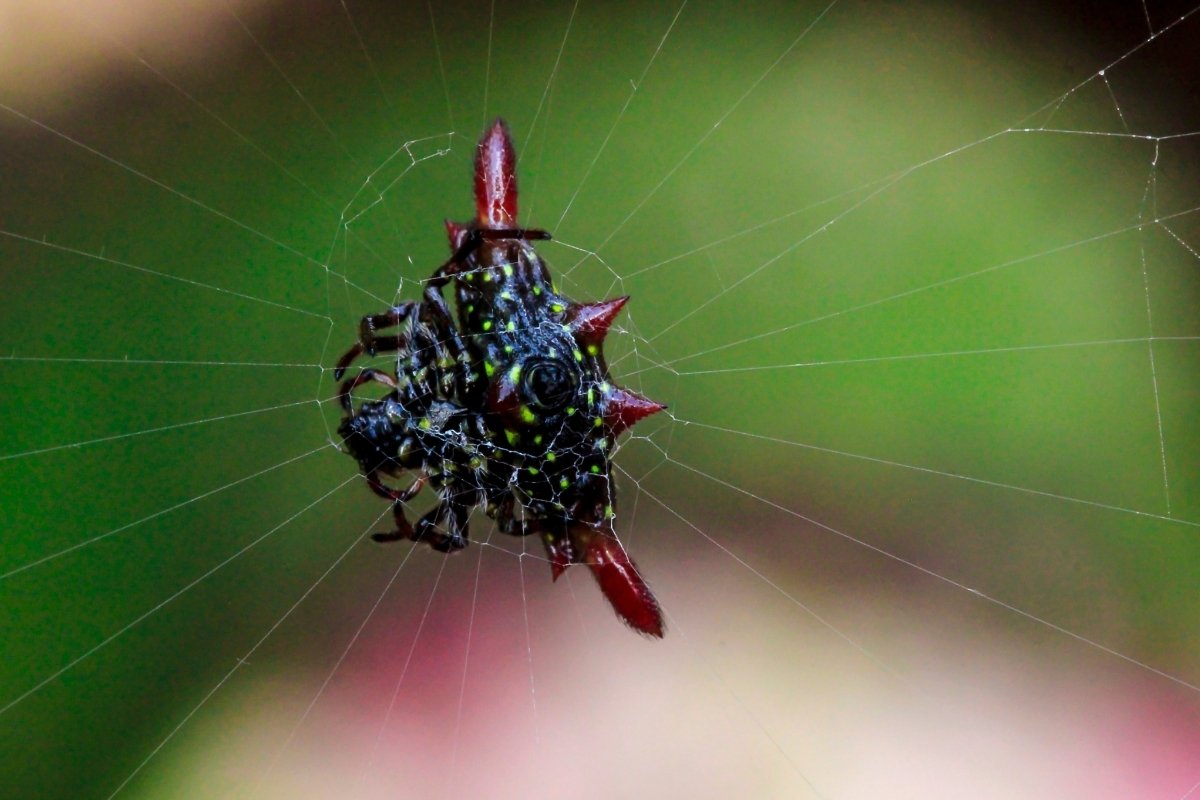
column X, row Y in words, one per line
column 496, row 179
column 622, row 584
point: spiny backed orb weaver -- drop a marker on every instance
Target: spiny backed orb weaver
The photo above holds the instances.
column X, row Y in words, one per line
column 514, row 404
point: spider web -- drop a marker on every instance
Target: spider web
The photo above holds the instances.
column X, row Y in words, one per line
column 918, row 284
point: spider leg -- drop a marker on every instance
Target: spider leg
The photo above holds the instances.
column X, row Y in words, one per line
column 501, row 509
column 436, row 312
column 560, row 551
column 369, row 342
column 448, row 344
column 364, row 376
column 425, row 368
column 388, row 319
column 475, row 237
column 398, row 497
column 527, row 234
column 444, row 527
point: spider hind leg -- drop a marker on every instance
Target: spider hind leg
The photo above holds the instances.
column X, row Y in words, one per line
column 444, row 527
column 404, row 529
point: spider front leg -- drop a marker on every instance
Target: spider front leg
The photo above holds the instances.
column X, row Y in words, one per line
column 436, row 313
column 369, row 342
column 448, row 341
column 364, row 376
column 469, row 239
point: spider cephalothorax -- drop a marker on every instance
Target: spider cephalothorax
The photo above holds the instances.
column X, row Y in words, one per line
column 510, row 407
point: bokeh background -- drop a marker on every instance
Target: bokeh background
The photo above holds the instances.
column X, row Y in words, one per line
column 918, row 281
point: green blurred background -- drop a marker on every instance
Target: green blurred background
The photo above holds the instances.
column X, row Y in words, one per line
column 925, row 514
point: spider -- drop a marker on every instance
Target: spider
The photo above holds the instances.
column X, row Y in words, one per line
column 512, row 406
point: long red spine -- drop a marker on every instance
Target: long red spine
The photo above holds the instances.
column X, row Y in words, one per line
column 496, row 179
column 622, row 584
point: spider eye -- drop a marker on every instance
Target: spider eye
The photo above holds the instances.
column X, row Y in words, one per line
column 549, row 385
